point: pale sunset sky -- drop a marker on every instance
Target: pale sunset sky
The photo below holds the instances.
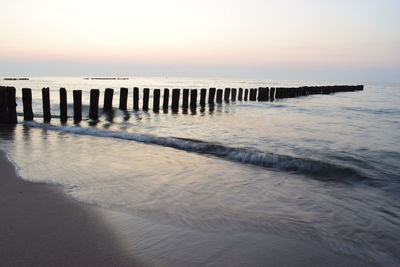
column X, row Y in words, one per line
column 270, row 39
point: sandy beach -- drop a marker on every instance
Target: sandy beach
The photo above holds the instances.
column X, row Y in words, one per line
column 40, row 226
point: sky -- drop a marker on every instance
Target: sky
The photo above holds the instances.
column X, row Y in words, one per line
column 269, row 39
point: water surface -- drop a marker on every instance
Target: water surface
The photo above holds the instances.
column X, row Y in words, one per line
column 320, row 168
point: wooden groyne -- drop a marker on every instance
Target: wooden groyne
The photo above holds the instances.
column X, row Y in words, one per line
column 190, row 99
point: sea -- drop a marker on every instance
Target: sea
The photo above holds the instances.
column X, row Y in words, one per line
column 320, row 169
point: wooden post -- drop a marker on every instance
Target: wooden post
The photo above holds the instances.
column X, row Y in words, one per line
column 135, row 98
column 246, row 94
column 287, row 92
column 27, row 103
column 203, row 93
column 211, row 95
column 234, row 92
column 63, row 105
column 193, row 99
column 156, row 100
column 166, row 99
column 94, row 104
column 146, row 94
column 253, row 94
column 265, row 94
column 326, row 90
column 315, row 90
column 77, row 94
column 278, row 92
column 240, row 96
column 3, row 105
column 296, row 92
column 219, row 95
column 46, row 104
column 211, row 107
column 282, row 93
column 123, row 98
column 260, row 94
column 108, row 99
column 12, row 105
column 185, row 98
column 227, row 94
column 301, row 91
column 175, row 99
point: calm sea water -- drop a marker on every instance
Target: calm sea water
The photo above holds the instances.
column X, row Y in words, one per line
column 321, row 168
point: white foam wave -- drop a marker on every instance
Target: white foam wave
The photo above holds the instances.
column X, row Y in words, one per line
column 259, row 158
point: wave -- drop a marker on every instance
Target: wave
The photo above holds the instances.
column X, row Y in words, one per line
column 318, row 169
column 380, row 111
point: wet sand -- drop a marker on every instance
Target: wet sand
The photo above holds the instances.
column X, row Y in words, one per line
column 41, row 226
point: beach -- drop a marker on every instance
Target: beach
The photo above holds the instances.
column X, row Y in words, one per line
column 243, row 183
column 200, row 133
column 40, row 226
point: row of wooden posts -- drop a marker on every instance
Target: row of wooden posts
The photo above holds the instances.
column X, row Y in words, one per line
column 8, row 103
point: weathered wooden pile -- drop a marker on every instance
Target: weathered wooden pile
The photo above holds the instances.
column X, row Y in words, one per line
column 8, row 105
column 189, row 99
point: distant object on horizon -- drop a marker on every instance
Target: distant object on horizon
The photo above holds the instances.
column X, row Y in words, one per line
column 105, row 78
column 16, row 79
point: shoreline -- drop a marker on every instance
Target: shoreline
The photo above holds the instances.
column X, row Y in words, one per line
column 41, row 226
